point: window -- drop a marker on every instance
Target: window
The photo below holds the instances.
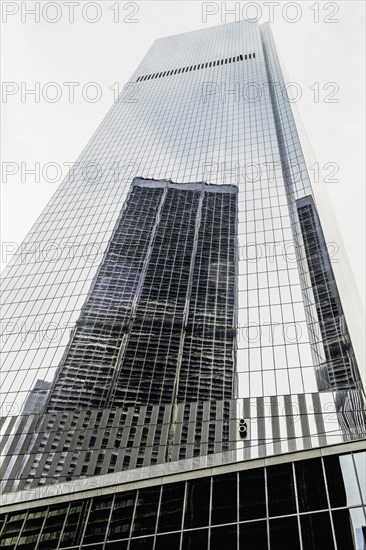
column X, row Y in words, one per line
column 284, row 533
column 312, row 496
column 197, row 503
column 281, row 490
column 224, row 499
column 252, row 494
column 171, row 507
column 316, row 532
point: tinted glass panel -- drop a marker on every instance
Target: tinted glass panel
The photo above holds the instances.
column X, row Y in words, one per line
column 316, row 532
column 224, row 499
column 253, row 535
column 284, row 534
column 360, row 462
column 52, row 527
column 343, row 529
column 195, row 540
column 171, row 507
column 98, row 520
column 120, row 523
column 167, row 541
column 145, row 543
column 75, row 522
column 252, row 494
column 146, row 511
column 120, row 545
column 223, row 537
column 281, row 490
column 310, row 485
column 197, row 505
column 342, row 481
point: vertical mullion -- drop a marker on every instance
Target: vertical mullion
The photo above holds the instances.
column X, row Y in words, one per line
column 328, row 502
column 297, row 505
column 157, row 515
column 133, row 519
column 267, row 507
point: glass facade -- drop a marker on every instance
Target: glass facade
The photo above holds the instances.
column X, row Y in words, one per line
column 163, row 296
column 310, row 503
column 225, row 122
column 176, row 286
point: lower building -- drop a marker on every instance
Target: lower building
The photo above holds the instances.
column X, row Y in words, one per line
column 307, row 500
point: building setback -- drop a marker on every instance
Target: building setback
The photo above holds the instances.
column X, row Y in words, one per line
column 172, row 376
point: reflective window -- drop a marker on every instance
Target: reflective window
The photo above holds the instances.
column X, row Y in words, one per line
column 224, row 499
column 197, row 503
column 360, row 462
column 253, row 535
column 281, row 490
column 145, row 543
column 146, row 511
column 195, row 540
column 341, row 480
column 284, row 533
column 120, row 545
column 223, row 537
column 52, row 527
column 167, row 541
column 311, row 494
column 316, row 531
column 252, row 494
column 350, row 528
column 171, row 507
column 75, row 522
column 121, row 518
column 98, row 519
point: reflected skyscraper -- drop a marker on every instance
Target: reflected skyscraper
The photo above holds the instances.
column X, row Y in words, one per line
column 173, row 374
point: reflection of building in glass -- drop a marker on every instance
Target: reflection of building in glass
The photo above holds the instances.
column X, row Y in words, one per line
column 195, row 318
column 37, row 398
column 158, row 324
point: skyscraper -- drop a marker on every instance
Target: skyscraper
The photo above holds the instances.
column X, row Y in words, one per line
column 184, row 348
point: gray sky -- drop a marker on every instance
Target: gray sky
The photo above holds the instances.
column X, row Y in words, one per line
column 322, row 50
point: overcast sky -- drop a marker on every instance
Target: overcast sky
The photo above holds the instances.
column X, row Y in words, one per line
column 321, row 46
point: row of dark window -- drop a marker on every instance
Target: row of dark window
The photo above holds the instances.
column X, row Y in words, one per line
column 251, row 496
column 207, row 65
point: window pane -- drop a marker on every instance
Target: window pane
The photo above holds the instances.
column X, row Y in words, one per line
column 52, row 528
column 284, row 534
column 253, row 535
column 167, row 541
column 223, row 537
column 224, row 499
column 252, row 494
column 145, row 543
column 146, row 511
column 310, row 485
column 197, row 505
column 98, row 519
column 120, row 545
column 195, row 540
column 350, row 528
column 281, row 490
column 171, row 507
column 342, row 481
column 122, row 516
column 75, row 522
column 316, row 532
column 360, row 461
